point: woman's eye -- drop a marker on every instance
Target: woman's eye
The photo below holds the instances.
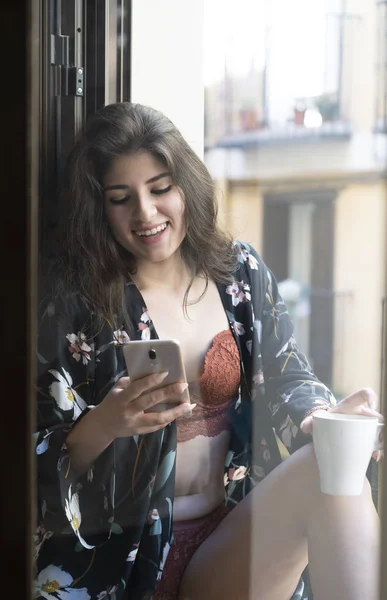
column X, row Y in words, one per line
column 119, row 200
column 163, row 191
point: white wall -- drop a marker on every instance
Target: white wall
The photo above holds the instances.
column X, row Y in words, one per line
column 167, row 62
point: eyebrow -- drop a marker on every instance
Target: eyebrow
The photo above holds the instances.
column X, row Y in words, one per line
column 120, row 186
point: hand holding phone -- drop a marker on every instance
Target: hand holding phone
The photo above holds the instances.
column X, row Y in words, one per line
column 147, row 357
column 154, row 394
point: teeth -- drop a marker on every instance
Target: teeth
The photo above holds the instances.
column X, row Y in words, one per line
column 153, row 231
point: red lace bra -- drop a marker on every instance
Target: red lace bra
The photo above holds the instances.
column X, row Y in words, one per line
column 214, row 390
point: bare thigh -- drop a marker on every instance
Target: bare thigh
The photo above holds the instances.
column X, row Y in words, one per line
column 259, row 550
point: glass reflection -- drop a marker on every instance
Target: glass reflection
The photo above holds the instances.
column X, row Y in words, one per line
column 135, row 503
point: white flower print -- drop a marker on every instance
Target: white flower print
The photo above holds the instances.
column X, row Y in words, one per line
column 132, row 555
column 238, row 328
column 143, row 327
column 78, row 347
column 44, row 444
column 252, row 262
column 246, row 256
column 105, row 593
column 282, row 350
column 153, row 516
column 237, row 474
column 258, row 328
column 74, row 516
column 39, row 537
column 120, row 337
column 53, row 583
column 145, row 316
column 165, row 554
column 145, row 333
column 288, row 431
column 240, row 292
column 258, row 378
column 233, row 290
column 65, row 396
column 286, row 397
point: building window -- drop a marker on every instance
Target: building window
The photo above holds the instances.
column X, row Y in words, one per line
column 381, row 67
column 274, row 71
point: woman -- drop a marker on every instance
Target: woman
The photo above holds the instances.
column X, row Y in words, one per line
column 130, row 500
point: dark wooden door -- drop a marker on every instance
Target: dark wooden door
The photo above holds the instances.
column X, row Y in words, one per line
column 78, row 40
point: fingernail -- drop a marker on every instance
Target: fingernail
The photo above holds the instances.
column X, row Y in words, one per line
column 370, row 411
column 378, row 456
column 189, row 412
column 161, row 376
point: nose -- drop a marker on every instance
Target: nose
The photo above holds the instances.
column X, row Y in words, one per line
column 145, row 208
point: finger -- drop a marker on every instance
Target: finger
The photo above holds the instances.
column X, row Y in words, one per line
column 169, row 415
column 189, row 412
column 121, row 383
column 372, row 413
column 140, row 386
column 162, row 425
column 371, row 398
column 352, row 404
column 161, row 419
column 307, row 425
column 169, row 393
column 377, row 455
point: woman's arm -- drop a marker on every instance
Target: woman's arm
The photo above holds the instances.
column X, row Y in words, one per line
column 123, row 414
column 291, row 389
column 65, row 391
column 87, row 441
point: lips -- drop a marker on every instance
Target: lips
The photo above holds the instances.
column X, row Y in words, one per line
column 151, row 230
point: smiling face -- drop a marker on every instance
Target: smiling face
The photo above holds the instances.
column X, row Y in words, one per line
column 144, row 208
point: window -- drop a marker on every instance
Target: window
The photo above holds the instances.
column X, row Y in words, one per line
column 381, row 68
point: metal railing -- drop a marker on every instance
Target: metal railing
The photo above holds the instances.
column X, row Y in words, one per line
column 289, row 132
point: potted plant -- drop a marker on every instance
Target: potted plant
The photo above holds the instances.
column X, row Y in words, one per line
column 328, row 107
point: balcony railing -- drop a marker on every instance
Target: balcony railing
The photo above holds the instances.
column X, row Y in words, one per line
column 289, row 133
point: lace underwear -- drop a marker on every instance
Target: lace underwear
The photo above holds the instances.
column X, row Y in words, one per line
column 214, row 391
column 188, row 536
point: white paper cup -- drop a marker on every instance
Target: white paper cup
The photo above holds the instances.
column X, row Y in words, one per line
column 343, row 446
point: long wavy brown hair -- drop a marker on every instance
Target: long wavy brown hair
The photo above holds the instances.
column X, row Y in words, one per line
column 93, row 263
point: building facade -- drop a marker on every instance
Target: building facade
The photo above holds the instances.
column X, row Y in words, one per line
column 302, row 177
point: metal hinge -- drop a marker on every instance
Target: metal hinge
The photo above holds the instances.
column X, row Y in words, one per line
column 69, row 78
column 60, row 53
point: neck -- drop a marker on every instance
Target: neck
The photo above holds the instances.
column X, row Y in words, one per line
column 171, row 274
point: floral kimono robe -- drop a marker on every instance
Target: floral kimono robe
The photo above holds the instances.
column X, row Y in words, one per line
column 106, row 534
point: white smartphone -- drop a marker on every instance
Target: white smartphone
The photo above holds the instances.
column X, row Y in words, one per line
column 146, row 357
